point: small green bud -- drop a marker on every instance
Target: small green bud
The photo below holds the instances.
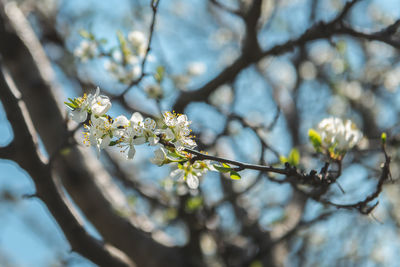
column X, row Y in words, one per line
column 235, row 175
column 383, row 138
column 294, row 157
column 315, row 139
column 159, row 75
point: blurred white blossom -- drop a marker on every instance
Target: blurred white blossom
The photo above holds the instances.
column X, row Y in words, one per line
column 196, row 68
column 154, row 91
column 86, row 50
column 138, row 41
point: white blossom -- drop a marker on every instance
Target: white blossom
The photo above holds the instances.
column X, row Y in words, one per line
column 100, row 105
column 190, row 173
column 124, row 74
column 99, row 132
column 102, row 130
column 86, row 50
column 78, row 115
column 138, row 41
column 119, row 126
column 84, row 103
column 159, row 156
column 196, row 68
column 154, row 91
column 342, row 135
column 178, row 128
column 192, row 181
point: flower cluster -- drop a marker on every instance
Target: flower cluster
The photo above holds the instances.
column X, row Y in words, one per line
column 95, row 104
column 191, row 172
column 123, row 62
column 335, row 136
column 86, row 50
column 176, row 130
column 172, row 134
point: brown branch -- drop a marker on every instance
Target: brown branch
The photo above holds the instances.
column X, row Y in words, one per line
column 226, row 8
column 83, row 176
column 289, row 234
column 154, row 6
column 346, row 9
column 251, row 54
column 27, row 155
column 364, row 206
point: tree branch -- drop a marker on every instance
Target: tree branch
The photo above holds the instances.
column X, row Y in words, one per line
column 27, row 155
column 83, row 176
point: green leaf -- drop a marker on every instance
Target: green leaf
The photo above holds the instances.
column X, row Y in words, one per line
column 173, row 155
column 103, row 41
column 170, row 214
column 283, row 159
column 193, row 204
column 341, row 46
column 159, row 75
column 235, row 175
column 72, row 106
column 383, row 138
column 126, row 52
column 132, row 200
column 87, row 35
column 113, row 143
column 65, row 151
column 315, row 139
column 294, row 157
column 72, row 100
column 222, row 169
column 256, row 263
column 225, row 165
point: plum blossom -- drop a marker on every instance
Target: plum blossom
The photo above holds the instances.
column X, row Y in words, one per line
column 148, row 127
column 196, row 68
column 190, row 173
column 178, row 130
column 138, row 41
column 154, row 91
column 100, row 105
column 124, row 74
column 339, row 134
column 86, row 50
column 90, row 104
column 99, row 132
column 160, row 156
column 132, row 135
column 102, row 131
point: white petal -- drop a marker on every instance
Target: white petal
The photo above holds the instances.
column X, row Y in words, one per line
column 136, row 118
column 192, row 181
column 101, row 105
column 131, row 152
column 159, row 157
column 153, row 140
column 139, row 140
column 178, row 174
column 78, row 115
column 105, row 141
column 169, row 135
column 120, row 121
column 97, row 93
